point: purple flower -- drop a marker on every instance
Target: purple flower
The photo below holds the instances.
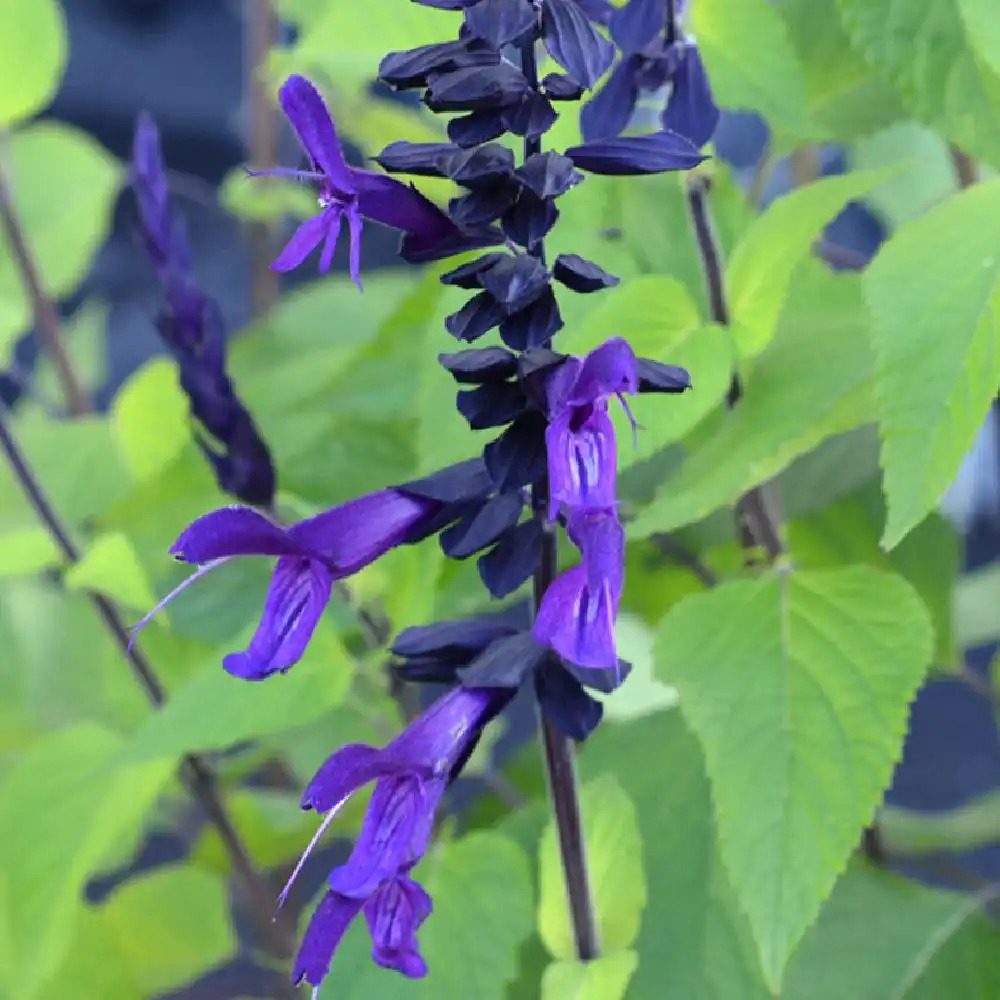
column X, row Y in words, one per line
column 578, row 612
column 580, row 438
column 346, row 191
column 311, row 556
column 411, row 774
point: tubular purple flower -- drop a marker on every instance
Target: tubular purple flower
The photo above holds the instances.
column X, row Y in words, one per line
column 578, row 612
column 580, row 438
column 411, row 774
column 346, row 191
column 312, row 554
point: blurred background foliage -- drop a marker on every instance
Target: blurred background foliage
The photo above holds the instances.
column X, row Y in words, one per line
column 112, row 885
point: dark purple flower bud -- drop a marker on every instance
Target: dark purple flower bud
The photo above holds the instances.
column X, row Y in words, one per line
column 312, row 554
column 559, row 87
column 492, row 405
column 475, row 88
column 481, row 126
column 574, row 42
column 691, row 110
column 480, row 314
column 598, row 11
column 636, row 24
column 530, row 219
column 548, row 175
column 535, row 326
column 480, row 365
column 484, row 165
column 419, row 248
column 347, row 191
column 581, row 275
column 411, row 68
column 464, row 482
column 577, row 614
column 517, row 457
column 609, row 111
column 564, row 702
column 467, row 275
column 483, row 204
column 483, row 526
column 422, row 159
column 410, row 776
column 656, row 153
column 191, row 327
column 512, row 560
column 604, row 679
column 501, row 22
column 504, row 662
column 515, row 282
column 458, row 641
column 531, row 117
column 654, row 376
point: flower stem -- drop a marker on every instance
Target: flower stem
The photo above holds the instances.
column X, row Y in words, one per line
column 47, row 322
column 196, row 774
column 558, row 749
column 755, row 522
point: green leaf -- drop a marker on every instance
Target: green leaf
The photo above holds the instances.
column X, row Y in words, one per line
column 481, row 887
column 732, row 34
column 617, row 882
column 925, row 174
column 604, row 978
column 934, row 297
column 693, row 941
column 845, row 99
column 111, row 567
column 813, row 382
column 923, row 48
column 27, row 551
column 983, row 29
column 877, row 936
column 149, row 417
column 663, row 323
column 848, row 532
column 33, row 48
column 760, row 271
column 798, row 686
column 63, row 232
column 170, row 926
column 214, row 710
column 63, row 808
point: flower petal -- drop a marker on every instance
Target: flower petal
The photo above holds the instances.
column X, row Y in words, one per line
column 582, row 462
column 351, row 767
column 300, row 589
column 231, row 531
column 305, row 239
column 311, row 119
column 607, row 370
column 601, row 539
column 356, row 533
column 577, row 622
column 691, row 110
column 636, row 24
column 334, row 217
column 394, row 914
column 391, row 837
column 355, row 226
column 326, row 929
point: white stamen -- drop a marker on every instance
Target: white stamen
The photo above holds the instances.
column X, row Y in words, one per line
column 145, row 620
column 327, row 820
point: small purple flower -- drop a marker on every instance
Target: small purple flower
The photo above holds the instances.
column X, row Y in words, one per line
column 580, row 438
column 312, row 554
column 346, row 191
column 578, row 612
column 411, row 774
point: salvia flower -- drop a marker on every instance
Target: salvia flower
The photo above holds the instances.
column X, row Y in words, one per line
column 580, row 438
column 350, row 193
column 191, row 327
column 652, row 57
column 311, row 554
column 411, row 774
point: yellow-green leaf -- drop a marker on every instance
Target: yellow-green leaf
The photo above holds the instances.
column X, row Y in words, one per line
column 111, row 567
column 33, row 47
